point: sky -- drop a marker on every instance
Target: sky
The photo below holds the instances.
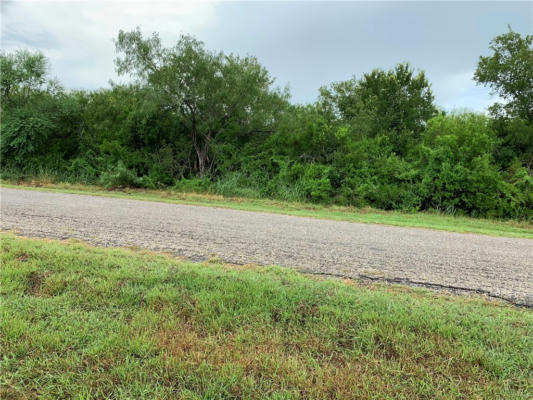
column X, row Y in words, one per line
column 304, row 44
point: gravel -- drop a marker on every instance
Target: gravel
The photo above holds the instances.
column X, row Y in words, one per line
column 494, row 266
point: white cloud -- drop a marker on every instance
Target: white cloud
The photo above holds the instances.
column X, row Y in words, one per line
column 459, row 92
column 77, row 37
column 305, row 44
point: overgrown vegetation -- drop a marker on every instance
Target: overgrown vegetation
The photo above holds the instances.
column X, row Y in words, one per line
column 82, row 322
column 203, row 121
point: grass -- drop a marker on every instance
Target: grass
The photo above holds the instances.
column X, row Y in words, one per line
column 82, row 322
column 520, row 229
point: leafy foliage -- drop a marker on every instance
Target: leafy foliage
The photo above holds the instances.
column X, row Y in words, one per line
column 212, row 93
column 509, row 72
column 395, row 103
column 23, row 74
column 205, row 121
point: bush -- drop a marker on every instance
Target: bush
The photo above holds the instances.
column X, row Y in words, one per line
column 235, row 184
column 458, row 172
column 195, row 185
column 120, row 177
column 316, row 182
column 81, row 171
column 24, row 132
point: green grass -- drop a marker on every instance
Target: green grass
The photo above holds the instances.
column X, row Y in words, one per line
column 521, row 229
column 82, row 322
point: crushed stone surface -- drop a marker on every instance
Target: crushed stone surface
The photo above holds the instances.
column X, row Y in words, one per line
column 495, row 266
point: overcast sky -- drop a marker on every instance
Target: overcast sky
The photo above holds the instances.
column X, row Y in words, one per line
column 303, row 44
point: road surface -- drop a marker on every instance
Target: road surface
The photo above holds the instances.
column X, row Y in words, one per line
column 495, row 266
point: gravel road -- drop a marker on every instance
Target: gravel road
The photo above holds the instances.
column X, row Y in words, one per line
column 498, row 267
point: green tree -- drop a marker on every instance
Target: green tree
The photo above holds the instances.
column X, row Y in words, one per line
column 304, row 134
column 35, row 111
column 509, row 73
column 401, row 99
column 396, row 103
column 48, row 127
column 515, row 142
column 128, row 123
column 458, row 173
column 22, row 74
column 211, row 93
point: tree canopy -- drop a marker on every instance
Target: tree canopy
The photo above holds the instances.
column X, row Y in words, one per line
column 210, row 92
column 23, row 74
column 396, row 103
column 201, row 120
column 508, row 71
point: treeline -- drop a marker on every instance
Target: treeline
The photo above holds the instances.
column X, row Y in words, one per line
column 199, row 120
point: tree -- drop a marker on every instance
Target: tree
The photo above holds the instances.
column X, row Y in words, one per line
column 341, row 100
column 401, row 99
column 509, row 73
column 458, row 174
column 41, row 122
column 304, row 134
column 129, row 123
column 211, row 93
column 515, row 142
column 22, row 73
column 396, row 103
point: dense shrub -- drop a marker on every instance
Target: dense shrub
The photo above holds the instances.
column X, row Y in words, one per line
column 378, row 141
column 199, row 185
column 24, row 132
column 458, row 173
column 316, row 183
column 120, row 177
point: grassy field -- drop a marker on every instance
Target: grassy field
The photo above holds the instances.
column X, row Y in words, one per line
column 82, row 322
column 522, row 229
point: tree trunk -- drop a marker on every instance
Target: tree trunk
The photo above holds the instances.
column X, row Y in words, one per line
column 202, row 154
column 201, row 145
column 202, row 169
